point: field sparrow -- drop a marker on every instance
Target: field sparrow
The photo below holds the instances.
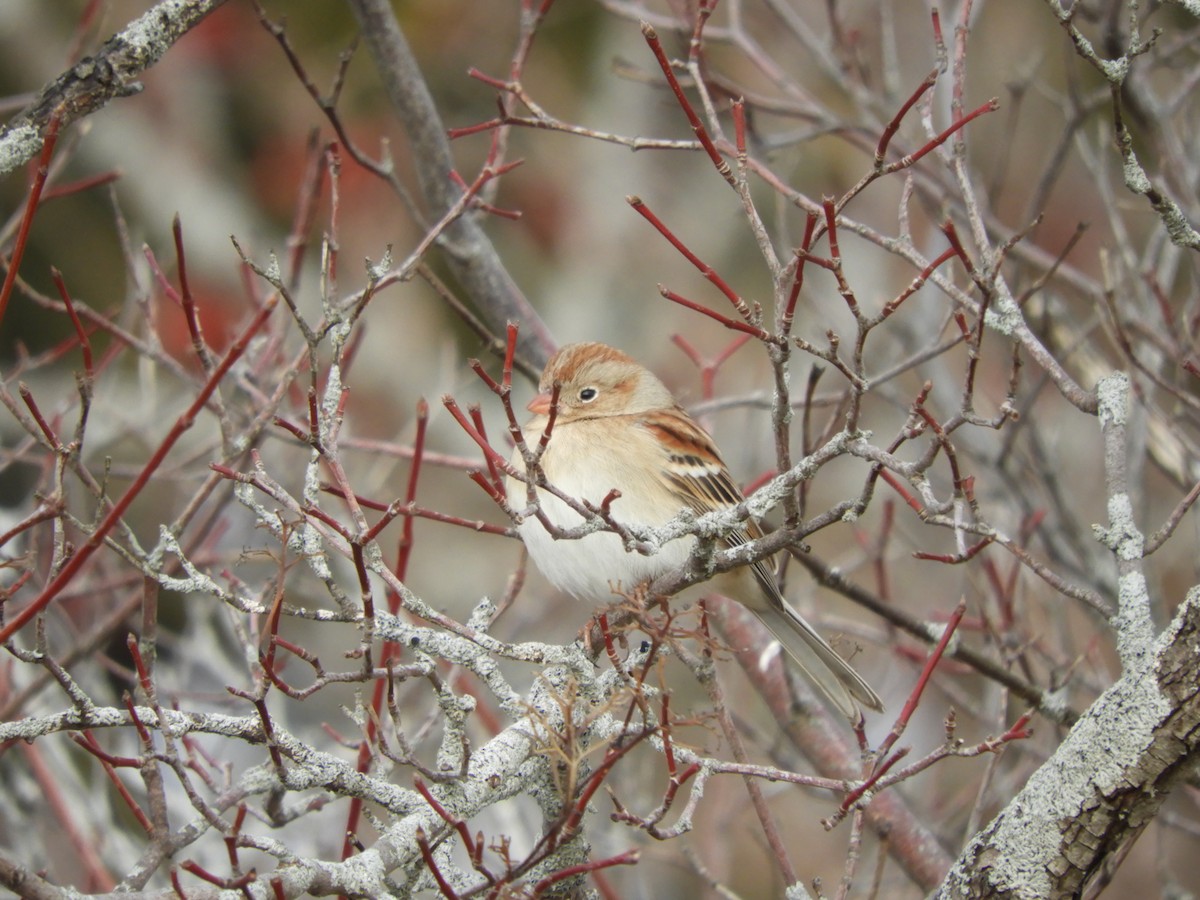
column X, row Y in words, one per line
column 618, row 426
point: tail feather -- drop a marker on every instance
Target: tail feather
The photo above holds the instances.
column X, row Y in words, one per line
column 819, row 661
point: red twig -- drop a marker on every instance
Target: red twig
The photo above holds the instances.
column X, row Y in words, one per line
column 80, row 185
column 473, row 847
column 304, row 437
column 892, row 126
column 467, row 130
column 267, row 660
column 182, row 424
column 903, row 491
column 510, row 352
column 708, row 368
column 704, row 268
column 734, row 324
column 460, row 417
column 110, row 764
column 490, row 489
column 431, row 864
column 951, row 233
column 135, row 653
column 61, row 803
column 87, row 741
column 555, row 390
column 955, row 558
column 410, row 496
column 480, row 426
column 31, row 405
column 138, row 725
column 903, row 163
column 609, row 648
column 910, row 706
column 321, row 516
column 1019, row 730
column 855, row 795
column 199, row 347
column 918, row 282
column 628, row 858
column 85, row 344
column 802, row 256
column 693, row 119
column 490, row 81
column 935, row 656
column 406, row 509
column 614, row 754
column 738, row 109
column 939, row 42
column 49, row 511
column 229, row 884
column 482, row 204
column 31, row 205
column 231, row 839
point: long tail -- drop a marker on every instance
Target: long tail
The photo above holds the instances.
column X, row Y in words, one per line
column 820, row 662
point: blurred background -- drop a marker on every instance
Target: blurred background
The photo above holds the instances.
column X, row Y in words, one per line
column 221, row 137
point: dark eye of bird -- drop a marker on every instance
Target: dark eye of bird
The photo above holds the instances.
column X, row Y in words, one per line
column 588, row 394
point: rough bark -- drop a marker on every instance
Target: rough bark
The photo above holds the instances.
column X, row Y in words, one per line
column 95, row 80
column 1080, row 811
column 468, row 250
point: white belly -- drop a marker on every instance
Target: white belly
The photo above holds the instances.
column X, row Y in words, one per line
column 596, row 566
column 593, row 567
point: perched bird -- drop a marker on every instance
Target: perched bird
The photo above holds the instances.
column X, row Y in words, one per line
column 618, row 426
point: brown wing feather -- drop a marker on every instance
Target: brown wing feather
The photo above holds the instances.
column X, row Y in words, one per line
column 705, row 485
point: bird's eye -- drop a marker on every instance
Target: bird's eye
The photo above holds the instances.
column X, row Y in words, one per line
column 588, row 394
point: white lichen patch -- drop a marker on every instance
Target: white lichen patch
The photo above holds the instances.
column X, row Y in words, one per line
column 1112, row 394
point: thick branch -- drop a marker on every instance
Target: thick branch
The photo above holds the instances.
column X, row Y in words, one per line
column 913, row 846
column 94, row 80
column 1106, row 781
column 468, row 249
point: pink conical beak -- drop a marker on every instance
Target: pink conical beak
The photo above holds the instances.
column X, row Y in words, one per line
column 540, row 405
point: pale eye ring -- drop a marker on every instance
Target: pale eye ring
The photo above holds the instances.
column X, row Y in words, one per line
column 588, row 394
